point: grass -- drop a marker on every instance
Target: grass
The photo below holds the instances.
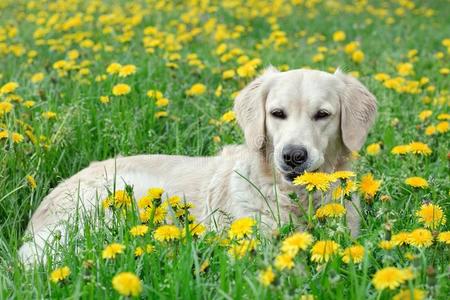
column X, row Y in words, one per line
column 85, row 129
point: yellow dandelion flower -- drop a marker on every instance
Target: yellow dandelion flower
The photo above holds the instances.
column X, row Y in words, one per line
column 228, row 117
column 241, row 227
column 49, row 115
column 161, row 114
column 382, row 76
column 31, row 181
column 417, row 182
column 127, row 70
column 113, row 68
column 104, row 99
column 322, row 251
column 243, row 247
column 339, row 36
column 373, row 149
column 349, row 188
column 343, row 174
column 228, row 74
column 369, row 186
column 167, row 233
column 443, row 117
column 155, row 192
column 425, row 114
column 8, row 88
column 353, row 253
column 5, row 107
column 60, row 274
column 358, row 56
column 155, row 94
column 401, row 149
column 121, row 89
column 431, row 215
column 296, row 242
column 197, row 229
column 430, row 130
column 351, row 47
column 444, row 237
column 162, row 102
column 139, row 230
column 111, row 251
column 37, row 77
column 139, row 251
column 420, row 238
column 267, row 276
column 331, row 210
column 417, row 294
column 405, row 69
column 442, row 127
column 174, row 201
column 400, row 239
column 149, row 248
column 196, row 90
column 120, row 199
column 127, row 284
column 16, row 137
column 389, row 277
column 419, row 148
column 387, row 245
column 284, row 261
column 315, row 181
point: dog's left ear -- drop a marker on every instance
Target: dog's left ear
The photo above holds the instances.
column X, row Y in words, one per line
column 249, row 107
column 358, row 111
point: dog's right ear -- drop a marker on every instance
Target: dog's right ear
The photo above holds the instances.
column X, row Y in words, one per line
column 249, row 107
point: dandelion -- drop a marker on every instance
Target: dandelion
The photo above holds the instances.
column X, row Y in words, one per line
column 373, row 149
column 113, row 68
column 119, row 199
column 442, row 127
column 31, row 182
column 284, row 261
column 167, row 233
column 430, row 130
column 241, row 228
column 420, row 238
column 400, row 238
column 417, row 294
column 425, row 114
column 49, row 115
column 127, row 284
column 369, row 186
column 419, row 148
column 405, row 69
column 228, row 74
column 387, row 245
column 315, row 181
column 228, row 117
column 197, row 229
column 417, row 182
column 5, row 107
column 339, row 36
column 340, row 191
column 111, row 251
column 8, row 88
column 444, row 237
column 121, row 89
column 358, row 56
column 139, row 251
column 16, row 137
column 431, row 215
column 127, row 70
column 401, row 149
column 161, row 102
column 353, row 253
column 390, row 277
column 60, row 274
column 104, row 99
column 323, row 250
column 267, row 276
column 154, row 94
column 161, row 114
column 296, row 242
column 155, row 192
column 196, row 90
column 242, row 248
column 343, row 175
column 139, row 230
column 38, row 77
column 332, row 210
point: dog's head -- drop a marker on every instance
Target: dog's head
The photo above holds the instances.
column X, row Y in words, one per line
column 301, row 117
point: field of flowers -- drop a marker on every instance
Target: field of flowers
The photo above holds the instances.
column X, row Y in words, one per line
column 84, row 80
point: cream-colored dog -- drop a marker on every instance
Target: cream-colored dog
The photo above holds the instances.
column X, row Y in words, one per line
column 295, row 121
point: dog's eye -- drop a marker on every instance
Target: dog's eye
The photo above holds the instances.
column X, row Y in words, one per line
column 321, row 114
column 278, row 113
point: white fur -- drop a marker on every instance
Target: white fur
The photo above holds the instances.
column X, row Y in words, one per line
column 219, row 186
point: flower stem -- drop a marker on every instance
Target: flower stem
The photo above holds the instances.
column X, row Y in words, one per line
column 310, row 207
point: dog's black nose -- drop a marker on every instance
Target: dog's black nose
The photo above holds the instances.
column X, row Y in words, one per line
column 294, row 156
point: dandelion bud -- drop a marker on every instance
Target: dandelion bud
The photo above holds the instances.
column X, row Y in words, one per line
column 388, row 231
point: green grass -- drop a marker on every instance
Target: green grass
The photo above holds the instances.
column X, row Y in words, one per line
column 86, row 130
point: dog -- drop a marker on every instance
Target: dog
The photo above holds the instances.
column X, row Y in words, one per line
column 294, row 121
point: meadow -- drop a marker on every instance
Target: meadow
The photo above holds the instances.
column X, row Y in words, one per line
column 85, row 80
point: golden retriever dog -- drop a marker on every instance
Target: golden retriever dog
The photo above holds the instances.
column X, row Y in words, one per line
column 294, row 121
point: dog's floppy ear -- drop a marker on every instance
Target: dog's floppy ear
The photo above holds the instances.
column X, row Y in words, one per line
column 358, row 111
column 249, row 107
